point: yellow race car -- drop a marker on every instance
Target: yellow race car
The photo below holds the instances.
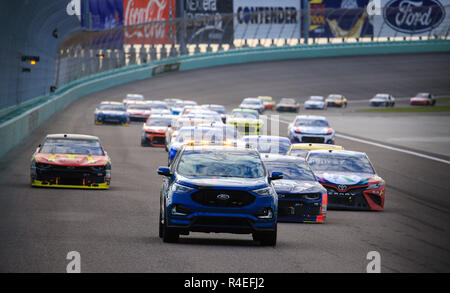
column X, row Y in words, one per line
column 246, row 121
column 301, row 149
column 269, row 103
column 336, row 100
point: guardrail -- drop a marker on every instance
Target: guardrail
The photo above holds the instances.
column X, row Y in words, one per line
column 20, row 123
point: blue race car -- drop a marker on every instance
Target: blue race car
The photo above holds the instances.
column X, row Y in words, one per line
column 300, row 197
column 218, row 189
column 111, row 112
column 268, row 144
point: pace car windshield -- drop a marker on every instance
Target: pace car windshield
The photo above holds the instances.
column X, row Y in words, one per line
column 340, row 163
column 311, row 122
column 109, row 107
column 72, row 147
column 220, row 164
column 291, row 170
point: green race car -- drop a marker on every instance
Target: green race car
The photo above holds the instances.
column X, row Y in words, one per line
column 246, row 121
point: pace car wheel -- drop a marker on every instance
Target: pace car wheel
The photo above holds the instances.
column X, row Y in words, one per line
column 169, row 235
column 266, row 238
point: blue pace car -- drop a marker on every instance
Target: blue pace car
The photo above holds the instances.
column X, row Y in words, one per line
column 111, row 112
column 300, row 197
column 218, row 189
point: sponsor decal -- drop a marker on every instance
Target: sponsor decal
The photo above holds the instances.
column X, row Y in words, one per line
column 159, row 69
column 413, row 16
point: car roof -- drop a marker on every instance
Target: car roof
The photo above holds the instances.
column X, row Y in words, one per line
column 265, row 137
column 72, row 136
column 111, row 103
column 315, row 146
column 311, row 117
column 244, row 110
column 280, row 158
column 338, row 152
column 221, row 148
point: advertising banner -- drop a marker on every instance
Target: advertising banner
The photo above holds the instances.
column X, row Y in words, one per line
column 339, row 19
column 412, row 18
column 102, row 14
column 266, row 19
column 157, row 14
column 208, row 21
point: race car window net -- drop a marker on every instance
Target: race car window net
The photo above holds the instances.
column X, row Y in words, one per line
column 340, row 163
column 291, row 170
column 72, row 147
column 310, row 122
column 220, row 164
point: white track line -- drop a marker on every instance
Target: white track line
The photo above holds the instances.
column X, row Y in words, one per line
column 384, row 146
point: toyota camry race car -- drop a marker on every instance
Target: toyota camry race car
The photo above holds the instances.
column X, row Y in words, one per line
column 315, row 102
column 111, row 112
column 336, row 100
column 300, row 197
column 71, row 161
column 246, row 121
column 310, row 128
column 350, row 179
column 218, row 189
column 288, row 105
column 153, row 132
column 423, row 99
column 302, row 149
column 382, row 100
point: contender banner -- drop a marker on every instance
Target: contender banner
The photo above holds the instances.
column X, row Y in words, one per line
column 412, row 18
column 266, row 19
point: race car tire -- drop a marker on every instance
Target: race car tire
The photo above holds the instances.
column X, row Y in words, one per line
column 266, row 238
column 161, row 227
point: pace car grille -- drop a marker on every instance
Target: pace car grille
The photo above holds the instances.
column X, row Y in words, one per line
column 212, row 198
column 221, row 221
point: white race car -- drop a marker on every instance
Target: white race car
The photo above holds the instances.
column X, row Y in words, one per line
column 310, row 128
column 315, row 102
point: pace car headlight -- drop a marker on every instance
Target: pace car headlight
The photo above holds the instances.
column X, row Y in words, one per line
column 266, row 191
column 178, row 188
column 375, row 185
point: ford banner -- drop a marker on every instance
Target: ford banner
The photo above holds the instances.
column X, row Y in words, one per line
column 412, row 18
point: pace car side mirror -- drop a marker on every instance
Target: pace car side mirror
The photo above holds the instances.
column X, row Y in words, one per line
column 164, row 171
column 276, row 176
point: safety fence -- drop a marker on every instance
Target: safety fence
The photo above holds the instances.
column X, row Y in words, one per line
column 88, row 53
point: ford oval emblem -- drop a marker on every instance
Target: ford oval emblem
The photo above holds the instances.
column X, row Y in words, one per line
column 223, row 196
column 414, row 16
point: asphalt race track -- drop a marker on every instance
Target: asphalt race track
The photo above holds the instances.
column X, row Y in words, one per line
column 117, row 231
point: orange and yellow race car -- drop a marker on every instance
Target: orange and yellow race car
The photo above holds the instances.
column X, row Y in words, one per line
column 269, row 103
column 336, row 100
column 71, row 161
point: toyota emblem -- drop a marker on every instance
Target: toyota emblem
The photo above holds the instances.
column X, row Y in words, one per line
column 223, row 196
column 342, row 187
